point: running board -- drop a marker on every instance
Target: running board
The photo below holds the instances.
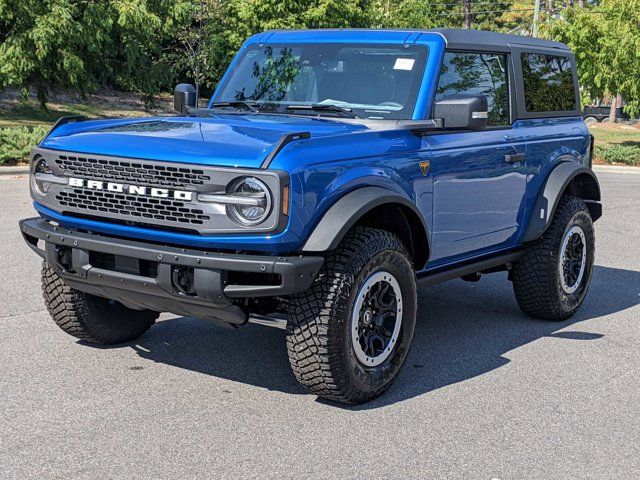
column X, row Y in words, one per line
column 274, row 322
column 469, row 268
column 427, row 279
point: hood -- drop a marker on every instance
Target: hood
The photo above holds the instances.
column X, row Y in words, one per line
column 224, row 140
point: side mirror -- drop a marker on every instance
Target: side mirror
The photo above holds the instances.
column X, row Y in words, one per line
column 184, row 96
column 462, row 112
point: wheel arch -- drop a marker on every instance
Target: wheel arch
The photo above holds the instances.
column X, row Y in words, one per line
column 567, row 178
column 374, row 207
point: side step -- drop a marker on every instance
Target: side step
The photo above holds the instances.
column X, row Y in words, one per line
column 432, row 278
column 488, row 265
column 274, row 322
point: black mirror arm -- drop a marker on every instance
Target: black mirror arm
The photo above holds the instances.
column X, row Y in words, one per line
column 196, row 111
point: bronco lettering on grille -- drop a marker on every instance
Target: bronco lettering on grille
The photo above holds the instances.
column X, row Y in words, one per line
column 131, row 189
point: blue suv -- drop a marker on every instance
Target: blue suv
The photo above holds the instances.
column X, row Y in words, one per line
column 330, row 173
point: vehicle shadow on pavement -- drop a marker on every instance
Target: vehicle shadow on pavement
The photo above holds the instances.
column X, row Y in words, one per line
column 464, row 330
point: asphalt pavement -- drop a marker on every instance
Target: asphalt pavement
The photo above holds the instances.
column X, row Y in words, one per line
column 486, row 392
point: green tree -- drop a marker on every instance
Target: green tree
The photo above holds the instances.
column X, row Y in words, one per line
column 235, row 20
column 81, row 45
column 441, row 13
column 606, row 42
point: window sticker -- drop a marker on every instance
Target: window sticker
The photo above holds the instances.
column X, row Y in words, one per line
column 404, row 64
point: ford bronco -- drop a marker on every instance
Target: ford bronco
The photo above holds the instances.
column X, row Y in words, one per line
column 330, row 173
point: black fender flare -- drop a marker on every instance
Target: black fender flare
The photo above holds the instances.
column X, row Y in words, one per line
column 566, row 176
column 350, row 208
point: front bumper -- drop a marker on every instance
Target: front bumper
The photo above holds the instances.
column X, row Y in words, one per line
column 143, row 275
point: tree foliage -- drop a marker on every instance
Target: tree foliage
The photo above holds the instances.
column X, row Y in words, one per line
column 82, row 44
column 228, row 23
column 148, row 45
column 606, row 41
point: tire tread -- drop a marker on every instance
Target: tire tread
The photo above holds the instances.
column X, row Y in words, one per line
column 312, row 335
column 70, row 310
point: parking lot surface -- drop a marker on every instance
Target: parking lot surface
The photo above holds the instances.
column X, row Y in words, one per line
column 486, row 392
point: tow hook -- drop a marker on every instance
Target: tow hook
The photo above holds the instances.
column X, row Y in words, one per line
column 63, row 256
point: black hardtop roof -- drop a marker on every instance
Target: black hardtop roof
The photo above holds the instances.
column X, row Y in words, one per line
column 456, row 38
column 481, row 39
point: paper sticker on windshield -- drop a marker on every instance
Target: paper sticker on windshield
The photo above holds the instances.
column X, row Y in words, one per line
column 404, row 64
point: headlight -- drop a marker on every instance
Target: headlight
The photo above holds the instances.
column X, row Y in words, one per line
column 251, row 201
column 40, row 170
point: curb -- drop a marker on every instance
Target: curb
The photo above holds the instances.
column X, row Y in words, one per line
column 616, row 169
column 19, row 170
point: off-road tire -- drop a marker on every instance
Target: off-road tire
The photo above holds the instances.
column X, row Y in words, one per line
column 536, row 279
column 319, row 339
column 89, row 317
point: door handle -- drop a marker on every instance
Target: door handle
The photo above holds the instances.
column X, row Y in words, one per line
column 514, row 157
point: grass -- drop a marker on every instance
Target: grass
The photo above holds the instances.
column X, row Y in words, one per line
column 23, row 122
column 16, row 111
column 616, row 144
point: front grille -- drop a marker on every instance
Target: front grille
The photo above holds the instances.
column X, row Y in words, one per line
column 130, row 171
column 132, row 202
column 141, row 207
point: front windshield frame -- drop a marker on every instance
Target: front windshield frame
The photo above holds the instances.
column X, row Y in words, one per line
column 368, row 112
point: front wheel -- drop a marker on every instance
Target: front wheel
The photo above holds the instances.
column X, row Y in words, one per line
column 349, row 334
column 551, row 279
column 89, row 317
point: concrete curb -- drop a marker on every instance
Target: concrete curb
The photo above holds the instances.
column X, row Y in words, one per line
column 616, row 169
column 19, row 170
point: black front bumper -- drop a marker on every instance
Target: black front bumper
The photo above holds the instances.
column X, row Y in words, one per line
column 142, row 275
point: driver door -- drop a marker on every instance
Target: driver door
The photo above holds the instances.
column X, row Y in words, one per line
column 478, row 176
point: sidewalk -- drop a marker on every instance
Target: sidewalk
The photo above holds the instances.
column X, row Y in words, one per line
column 616, row 169
column 19, row 170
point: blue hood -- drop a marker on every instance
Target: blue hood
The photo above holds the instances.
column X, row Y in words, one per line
column 225, row 140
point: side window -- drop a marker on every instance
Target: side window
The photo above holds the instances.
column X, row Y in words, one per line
column 477, row 74
column 548, row 83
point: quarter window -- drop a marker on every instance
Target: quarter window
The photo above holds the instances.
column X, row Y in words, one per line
column 548, row 83
column 477, row 74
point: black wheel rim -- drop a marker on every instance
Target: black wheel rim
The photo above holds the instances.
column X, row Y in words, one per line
column 376, row 318
column 572, row 259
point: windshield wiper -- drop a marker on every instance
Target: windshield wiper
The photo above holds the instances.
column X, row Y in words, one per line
column 236, row 104
column 319, row 107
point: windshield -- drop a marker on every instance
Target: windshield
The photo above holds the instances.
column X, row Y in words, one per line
column 370, row 81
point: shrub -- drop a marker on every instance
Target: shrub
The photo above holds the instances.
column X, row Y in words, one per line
column 17, row 142
column 613, row 153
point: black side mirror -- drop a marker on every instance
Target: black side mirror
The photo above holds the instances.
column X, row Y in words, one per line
column 184, row 96
column 462, row 112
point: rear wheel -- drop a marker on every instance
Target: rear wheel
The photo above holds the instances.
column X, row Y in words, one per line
column 349, row 334
column 89, row 317
column 552, row 278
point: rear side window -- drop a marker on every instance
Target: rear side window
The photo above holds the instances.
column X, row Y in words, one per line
column 477, row 74
column 548, row 83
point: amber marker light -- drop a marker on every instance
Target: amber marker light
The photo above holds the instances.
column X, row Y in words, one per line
column 285, row 201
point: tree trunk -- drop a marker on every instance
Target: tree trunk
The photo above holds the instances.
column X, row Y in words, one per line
column 467, row 14
column 614, row 105
column 619, row 103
